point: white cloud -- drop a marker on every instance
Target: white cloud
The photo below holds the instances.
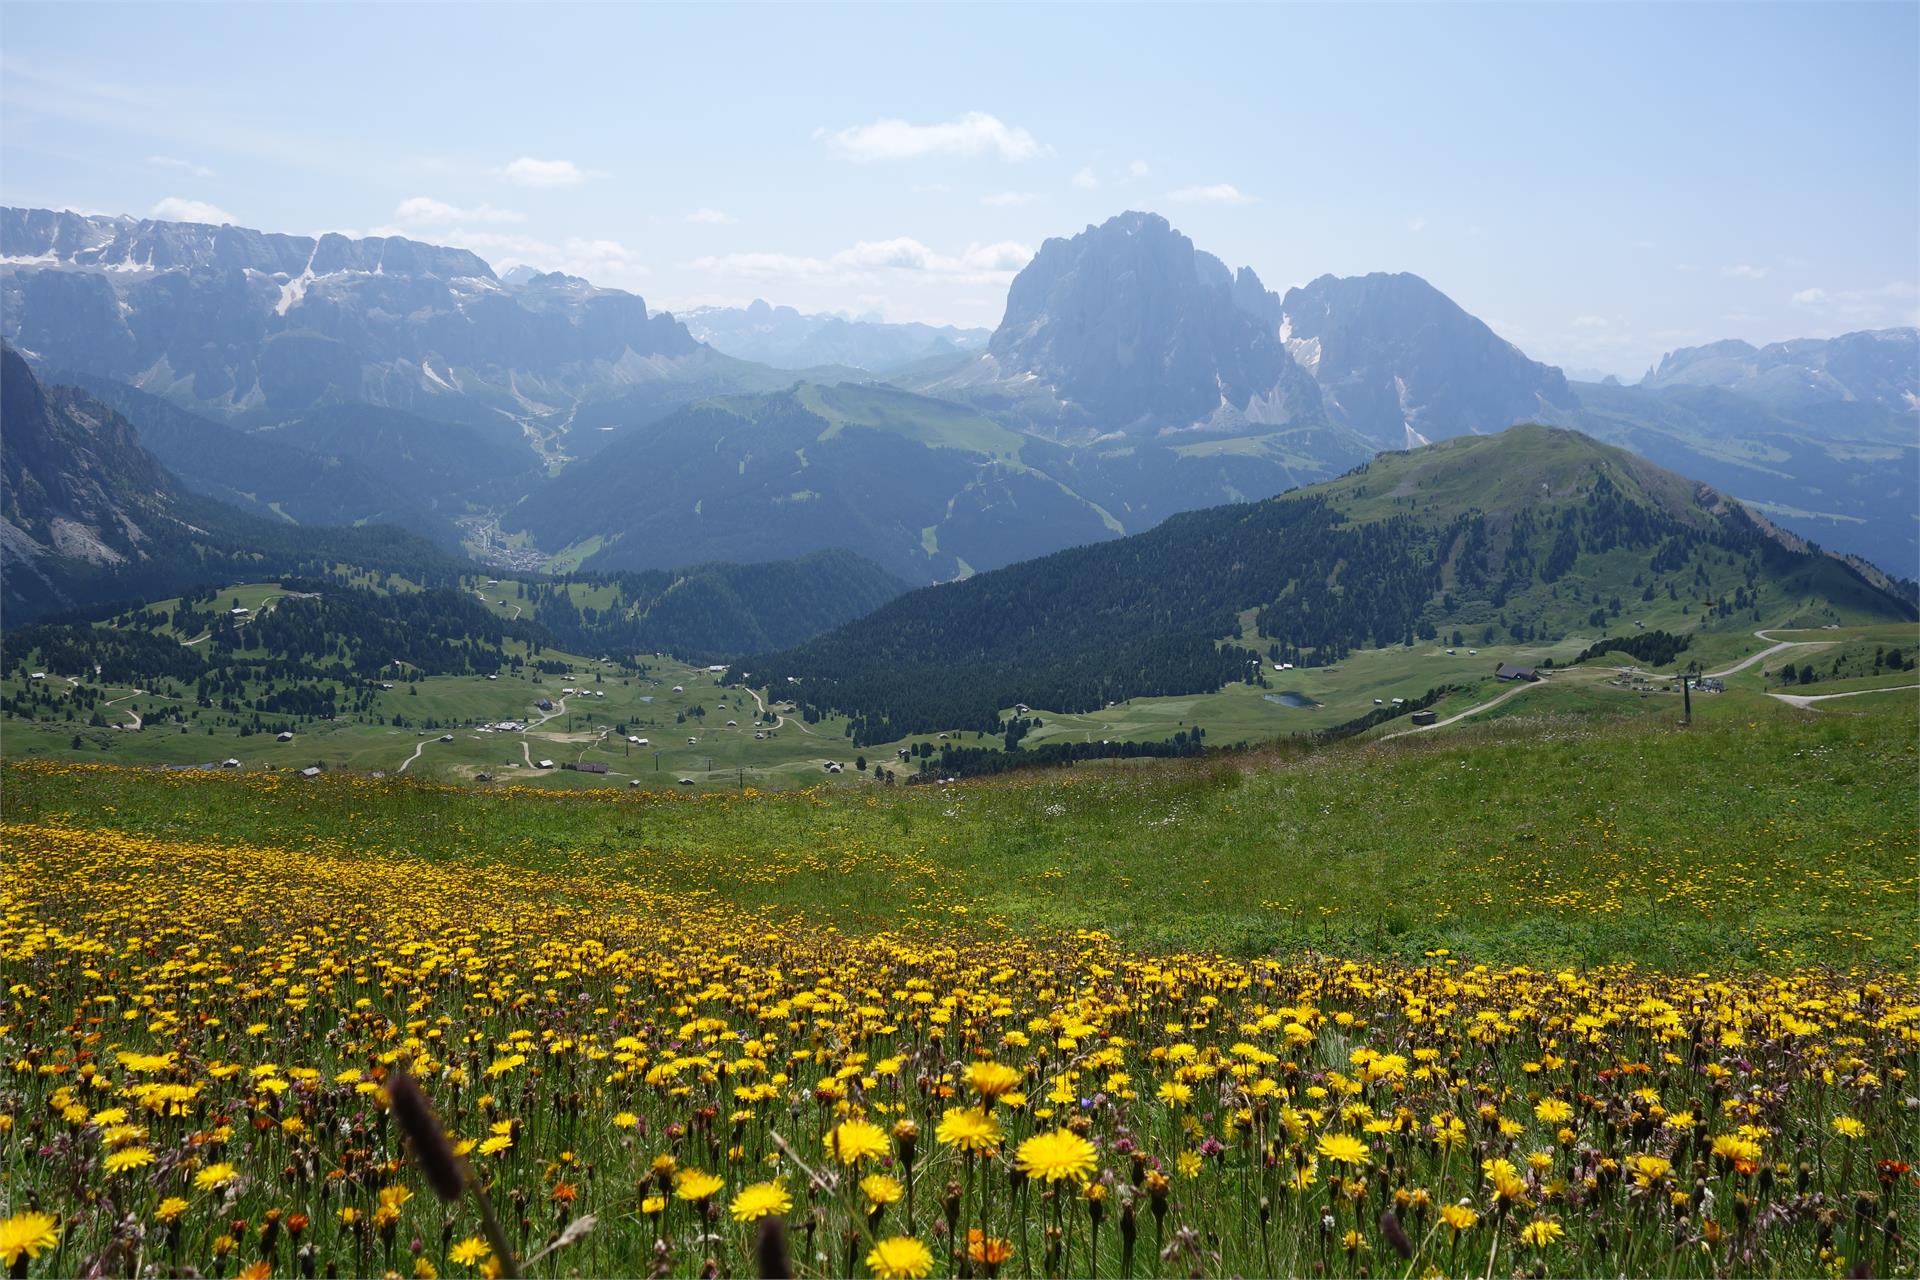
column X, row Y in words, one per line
column 1417, row 223
column 1085, row 180
column 181, row 209
column 1217, row 193
column 425, row 209
column 1138, row 169
column 972, row 134
column 869, row 260
column 1745, row 272
column 1874, row 307
column 932, row 188
column 180, row 166
column 711, row 218
column 1009, row 199
column 528, row 172
column 1589, row 322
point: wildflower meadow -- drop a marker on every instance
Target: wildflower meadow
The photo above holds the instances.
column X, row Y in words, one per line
column 208, row 1046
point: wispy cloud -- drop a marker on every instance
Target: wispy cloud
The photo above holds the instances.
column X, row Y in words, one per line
column 1085, row 179
column 871, row 259
column 1009, row 199
column 1877, row 305
column 529, row 172
column 181, row 209
column 1138, row 169
column 1589, row 322
column 975, row 133
column 180, row 166
column 428, row 211
column 603, row 262
column 1417, row 223
column 1217, row 193
column 711, row 218
column 1745, row 271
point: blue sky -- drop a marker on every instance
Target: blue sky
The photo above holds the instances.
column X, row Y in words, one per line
column 1600, row 182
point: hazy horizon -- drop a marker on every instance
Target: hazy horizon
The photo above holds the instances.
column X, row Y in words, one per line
column 1600, row 184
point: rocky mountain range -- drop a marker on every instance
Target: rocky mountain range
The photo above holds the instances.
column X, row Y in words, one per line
column 788, row 339
column 1875, row 367
column 1402, row 364
column 1135, row 375
column 1128, row 329
column 251, row 327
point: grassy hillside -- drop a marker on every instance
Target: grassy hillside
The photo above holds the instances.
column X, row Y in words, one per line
column 930, row 489
column 1596, row 841
column 1527, row 537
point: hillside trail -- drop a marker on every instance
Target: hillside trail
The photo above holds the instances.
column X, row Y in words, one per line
column 1805, row 700
column 1779, row 646
column 780, row 721
column 418, row 747
column 1514, row 692
column 130, row 711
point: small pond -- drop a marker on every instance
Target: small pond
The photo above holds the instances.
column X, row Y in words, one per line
column 1290, row 698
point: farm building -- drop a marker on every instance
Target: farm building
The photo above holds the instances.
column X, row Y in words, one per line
column 1507, row 671
column 311, row 771
column 1424, row 717
column 286, row 735
column 545, row 704
column 544, row 764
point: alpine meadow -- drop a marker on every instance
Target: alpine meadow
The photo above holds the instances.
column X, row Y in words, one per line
column 881, row 641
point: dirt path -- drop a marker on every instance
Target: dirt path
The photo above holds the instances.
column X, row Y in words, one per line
column 780, row 721
column 1779, row 646
column 1470, row 711
column 1805, row 700
column 130, row 711
column 418, row 747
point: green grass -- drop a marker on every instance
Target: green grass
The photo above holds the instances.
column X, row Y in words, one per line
column 796, row 753
column 1762, row 836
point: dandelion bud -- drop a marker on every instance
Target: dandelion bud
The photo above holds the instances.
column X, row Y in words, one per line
column 906, row 1136
column 430, row 1150
column 950, row 1203
column 1390, row 1228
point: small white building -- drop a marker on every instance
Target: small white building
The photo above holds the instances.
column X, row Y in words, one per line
column 544, row 764
column 230, row 763
column 286, row 735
